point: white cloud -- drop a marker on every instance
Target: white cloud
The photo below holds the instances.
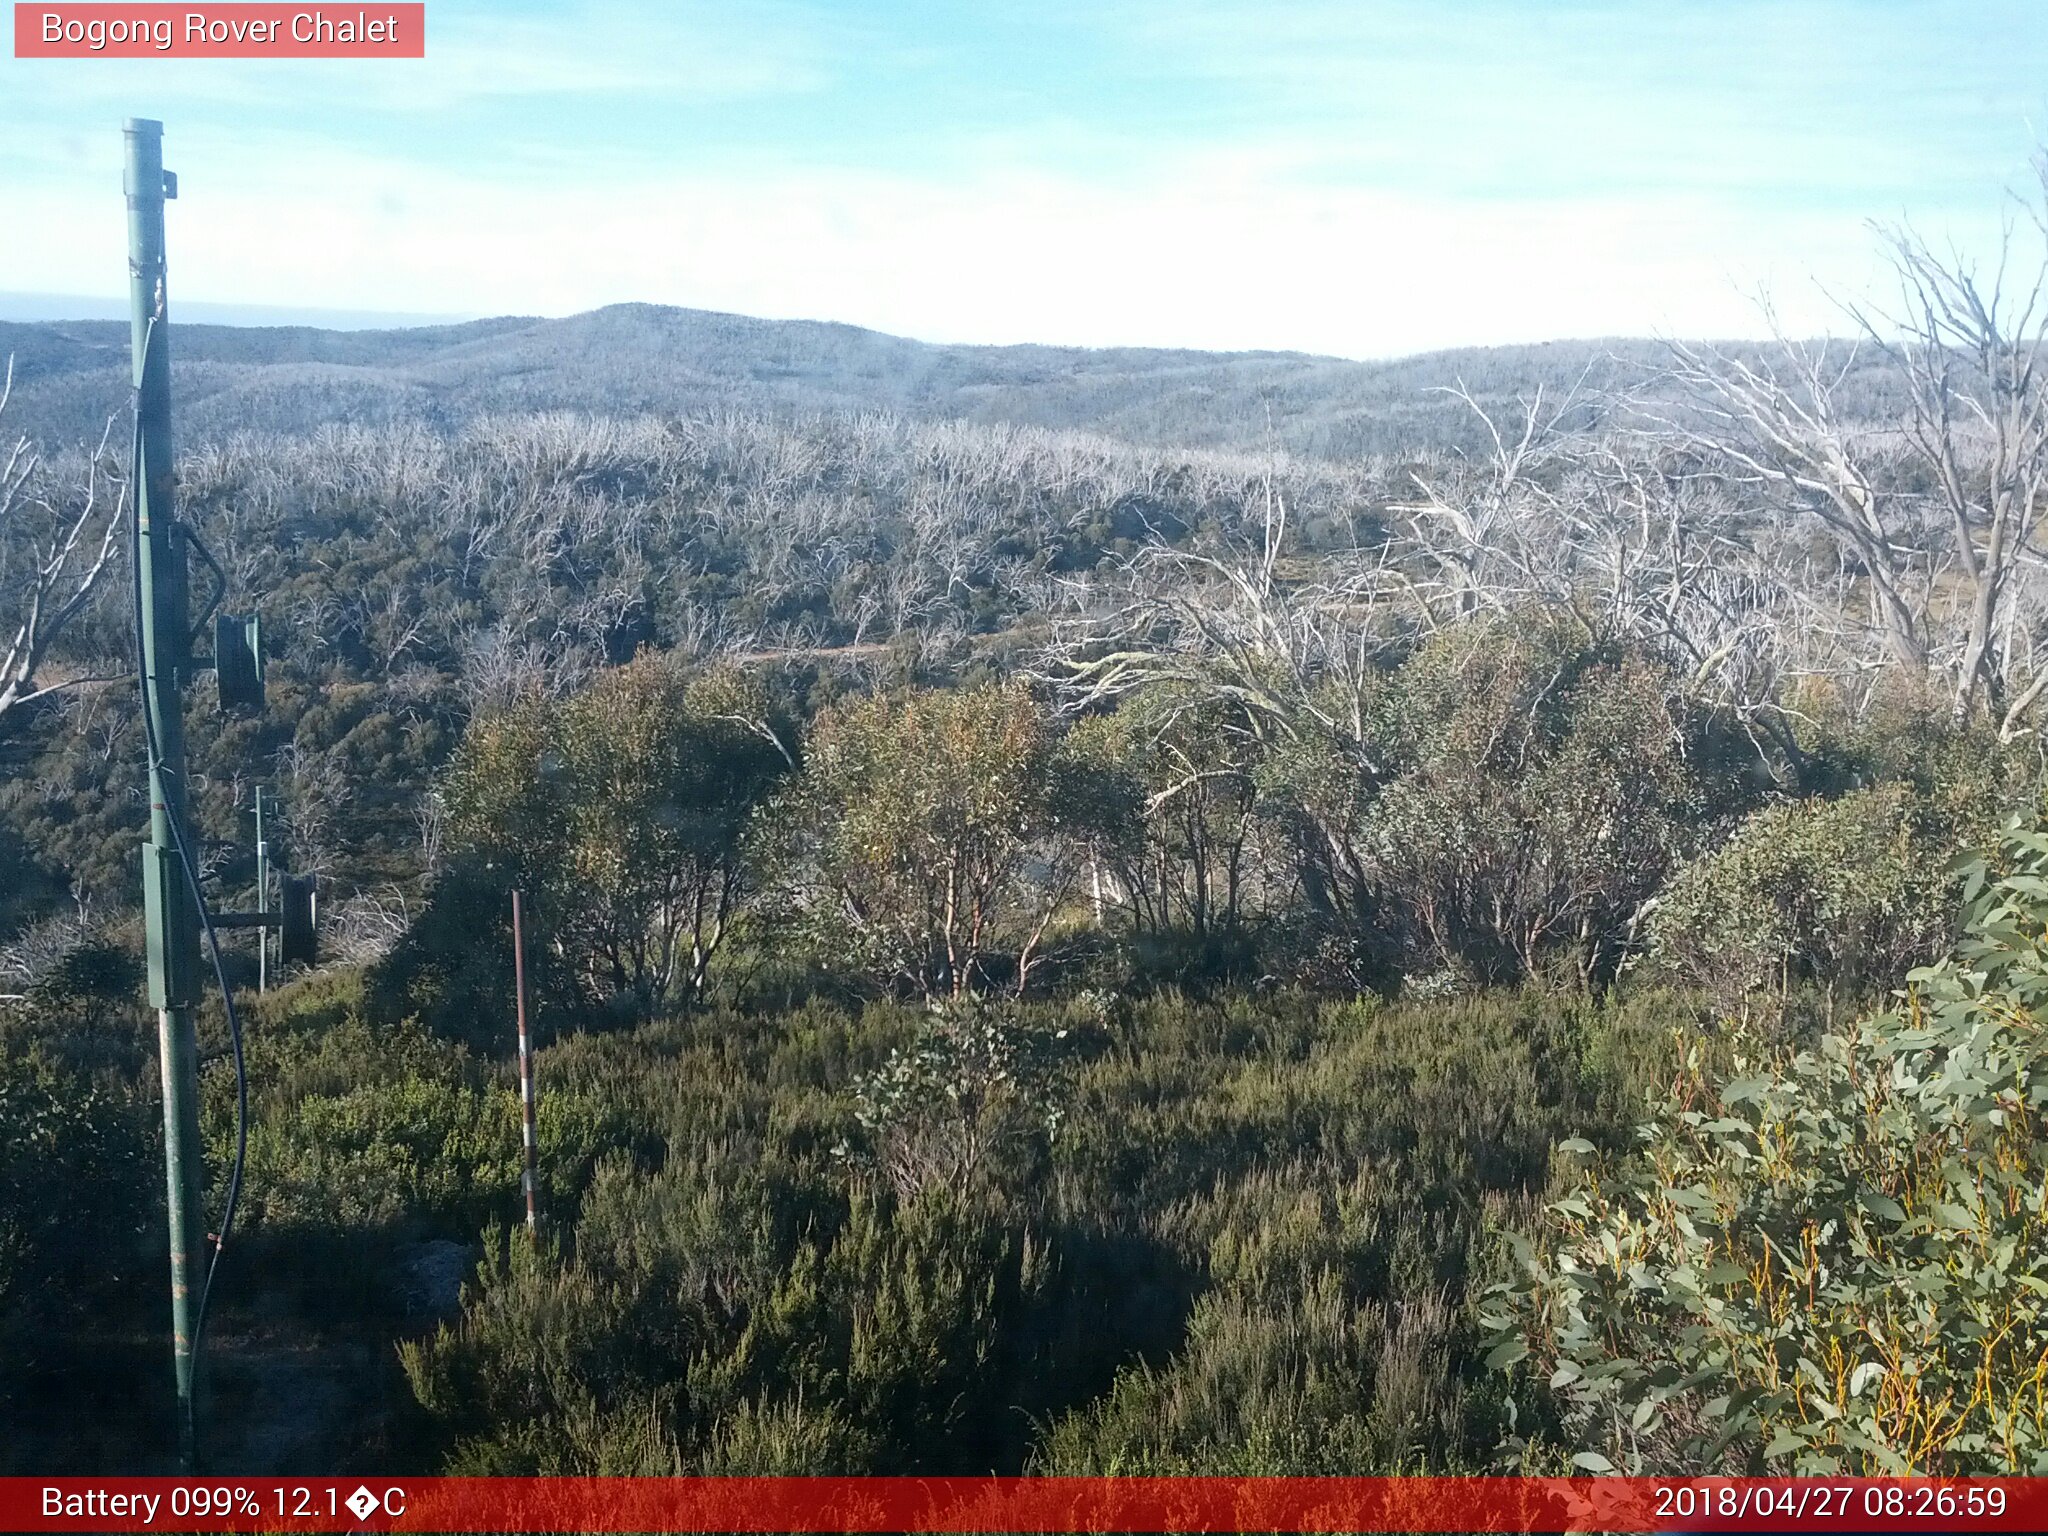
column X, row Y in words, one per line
column 1221, row 252
column 1362, row 181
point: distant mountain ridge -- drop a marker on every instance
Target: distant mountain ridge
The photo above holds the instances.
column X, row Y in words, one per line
column 633, row 359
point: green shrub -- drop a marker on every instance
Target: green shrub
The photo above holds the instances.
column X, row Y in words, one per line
column 359, row 1125
column 933, row 836
column 1499, row 807
column 621, row 812
column 81, row 1247
column 723, row 1354
column 1847, row 894
column 1180, row 847
column 1905, row 731
column 1310, row 1385
column 76, row 1181
column 970, row 1102
column 1835, row 1260
column 1270, row 1201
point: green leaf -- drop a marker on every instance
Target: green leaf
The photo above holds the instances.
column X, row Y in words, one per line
column 1881, row 1205
column 1594, row 1462
column 1505, row 1354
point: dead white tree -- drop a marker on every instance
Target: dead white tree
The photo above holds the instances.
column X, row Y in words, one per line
column 1968, row 343
column 1935, row 514
column 1613, row 526
column 1478, row 530
column 55, row 544
column 1285, row 648
column 1772, row 428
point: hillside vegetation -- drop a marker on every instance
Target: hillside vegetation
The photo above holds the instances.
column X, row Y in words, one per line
column 632, row 359
column 1104, row 912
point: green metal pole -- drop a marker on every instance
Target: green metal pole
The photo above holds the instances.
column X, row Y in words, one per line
column 172, row 922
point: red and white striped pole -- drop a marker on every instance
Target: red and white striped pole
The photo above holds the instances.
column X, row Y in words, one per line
column 529, row 1177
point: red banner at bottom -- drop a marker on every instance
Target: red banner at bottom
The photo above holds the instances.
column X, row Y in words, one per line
column 1020, row 1504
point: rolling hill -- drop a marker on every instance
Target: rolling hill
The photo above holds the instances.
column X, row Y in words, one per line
column 638, row 358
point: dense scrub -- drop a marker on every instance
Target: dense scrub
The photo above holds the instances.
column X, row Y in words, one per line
column 1058, row 955
column 1170, row 1234
column 947, row 1082
column 412, row 580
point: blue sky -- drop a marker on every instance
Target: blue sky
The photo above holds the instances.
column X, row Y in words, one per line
column 1365, row 178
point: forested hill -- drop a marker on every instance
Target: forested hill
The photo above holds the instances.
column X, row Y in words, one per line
column 630, row 358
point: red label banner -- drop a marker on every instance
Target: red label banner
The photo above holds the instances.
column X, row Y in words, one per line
column 1052, row 1504
column 235, row 31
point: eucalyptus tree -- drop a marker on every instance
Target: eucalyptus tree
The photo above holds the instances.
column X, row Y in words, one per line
column 933, row 838
column 623, row 810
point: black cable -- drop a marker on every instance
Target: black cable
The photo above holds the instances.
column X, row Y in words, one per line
column 227, row 1220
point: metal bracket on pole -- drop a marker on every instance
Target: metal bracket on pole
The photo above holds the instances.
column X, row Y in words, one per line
column 238, row 662
column 294, row 916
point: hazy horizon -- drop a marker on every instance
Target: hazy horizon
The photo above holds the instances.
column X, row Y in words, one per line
column 59, row 309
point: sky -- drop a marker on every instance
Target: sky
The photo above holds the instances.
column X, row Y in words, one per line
column 1363, row 178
